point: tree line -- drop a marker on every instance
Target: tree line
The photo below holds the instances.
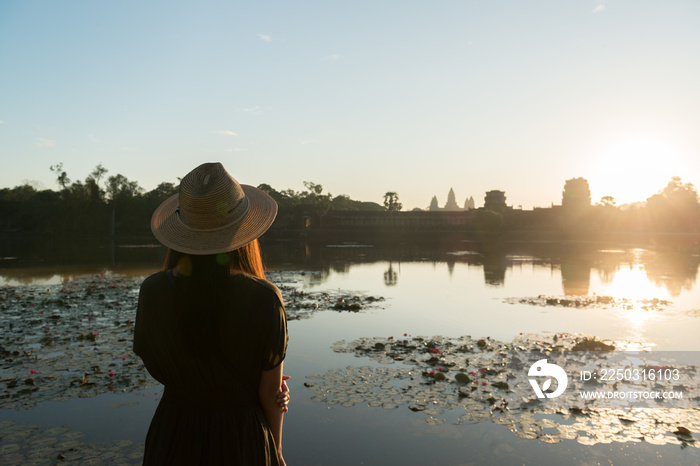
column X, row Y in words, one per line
column 674, row 209
column 102, row 206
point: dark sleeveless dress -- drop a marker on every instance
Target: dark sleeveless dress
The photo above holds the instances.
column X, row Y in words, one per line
column 210, row 413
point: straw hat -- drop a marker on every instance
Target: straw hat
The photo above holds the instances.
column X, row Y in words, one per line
column 213, row 213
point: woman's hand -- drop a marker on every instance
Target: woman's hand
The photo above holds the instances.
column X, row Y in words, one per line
column 283, row 395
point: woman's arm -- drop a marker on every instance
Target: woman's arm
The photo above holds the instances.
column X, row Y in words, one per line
column 270, row 383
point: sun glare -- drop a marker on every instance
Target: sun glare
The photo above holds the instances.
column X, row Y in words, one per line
column 633, row 169
column 633, row 284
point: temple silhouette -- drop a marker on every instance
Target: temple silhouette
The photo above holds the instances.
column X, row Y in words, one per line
column 451, row 204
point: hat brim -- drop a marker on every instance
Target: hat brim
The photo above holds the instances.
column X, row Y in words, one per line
column 171, row 232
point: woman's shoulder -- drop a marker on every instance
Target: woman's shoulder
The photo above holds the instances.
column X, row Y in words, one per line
column 259, row 286
column 154, row 280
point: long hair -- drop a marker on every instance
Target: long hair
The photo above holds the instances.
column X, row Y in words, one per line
column 246, row 259
column 201, row 292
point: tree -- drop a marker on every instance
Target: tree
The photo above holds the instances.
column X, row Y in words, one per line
column 121, row 190
column 119, row 187
column 61, row 176
column 314, row 199
column 152, row 199
column 676, row 189
column 163, row 191
column 283, row 201
column 92, row 184
column 313, row 188
column 98, row 173
column 343, row 202
column 607, row 201
column 391, row 202
column 675, row 208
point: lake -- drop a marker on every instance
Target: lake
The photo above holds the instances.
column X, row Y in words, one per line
column 378, row 336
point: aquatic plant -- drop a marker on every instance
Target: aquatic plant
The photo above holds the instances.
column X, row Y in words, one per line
column 490, row 384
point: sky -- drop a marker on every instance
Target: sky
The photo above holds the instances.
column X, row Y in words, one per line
column 362, row 97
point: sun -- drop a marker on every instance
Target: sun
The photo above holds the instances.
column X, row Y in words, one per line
column 634, row 168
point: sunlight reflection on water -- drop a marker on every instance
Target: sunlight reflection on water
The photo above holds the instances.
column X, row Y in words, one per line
column 437, row 293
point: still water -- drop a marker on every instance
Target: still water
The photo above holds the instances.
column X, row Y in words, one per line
column 500, row 292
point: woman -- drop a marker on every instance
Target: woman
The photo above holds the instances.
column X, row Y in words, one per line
column 212, row 330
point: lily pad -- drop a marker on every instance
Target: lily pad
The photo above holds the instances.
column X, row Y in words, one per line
column 489, row 386
column 590, row 344
column 594, row 302
column 62, row 444
column 74, row 339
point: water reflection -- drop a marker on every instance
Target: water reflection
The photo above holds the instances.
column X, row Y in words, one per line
column 632, row 282
column 628, row 271
column 576, row 276
column 675, row 272
column 633, row 272
column 446, row 280
column 495, row 267
column 391, row 277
